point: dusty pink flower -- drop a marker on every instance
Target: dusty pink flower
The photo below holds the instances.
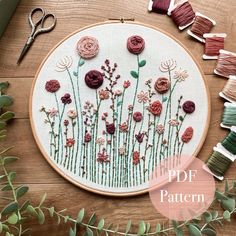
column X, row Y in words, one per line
column 143, row 97
column 160, row 129
column 122, row 150
column 187, row 135
column 118, row 92
column 136, row 157
column 53, row 112
column 88, row 47
column 173, row 122
column 181, row 75
column 72, row 114
column 162, row 85
column 130, row 107
column 103, row 157
column 126, row 84
column 138, row 116
column 103, row 94
column 100, row 141
column 124, row 127
column 135, row 44
column 70, row 142
column 52, row 86
column 87, row 137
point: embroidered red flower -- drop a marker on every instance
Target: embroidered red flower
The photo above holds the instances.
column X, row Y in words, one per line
column 135, row 44
column 94, row 79
column 189, row 107
column 139, row 137
column 162, row 85
column 155, row 108
column 52, row 86
column 187, row 136
column 66, row 99
column 87, row 137
column 70, row 142
column 103, row 94
column 126, row 84
column 103, row 157
column 123, row 127
column 138, row 116
column 136, row 157
column 66, row 122
column 110, row 128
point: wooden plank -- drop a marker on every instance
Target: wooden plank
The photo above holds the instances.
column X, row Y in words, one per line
column 77, row 14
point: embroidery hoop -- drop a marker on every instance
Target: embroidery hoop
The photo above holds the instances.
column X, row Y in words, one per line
column 70, row 179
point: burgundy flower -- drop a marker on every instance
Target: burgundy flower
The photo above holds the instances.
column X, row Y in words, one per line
column 87, row 137
column 135, row 44
column 66, row 99
column 52, row 86
column 66, row 122
column 94, row 79
column 138, row 116
column 70, row 142
column 187, row 136
column 126, row 84
column 155, row 108
column 139, row 137
column 189, row 107
column 110, row 128
column 136, row 157
column 162, row 85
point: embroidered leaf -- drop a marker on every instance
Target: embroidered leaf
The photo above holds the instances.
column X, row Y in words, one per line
column 75, row 73
column 164, row 99
column 81, row 63
column 181, row 118
column 142, row 63
column 116, row 114
column 134, row 74
column 119, row 103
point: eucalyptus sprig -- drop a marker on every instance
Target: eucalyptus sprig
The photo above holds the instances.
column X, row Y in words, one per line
column 15, row 213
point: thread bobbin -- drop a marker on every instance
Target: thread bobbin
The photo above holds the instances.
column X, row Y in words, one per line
column 225, row 124
column 223, row 94
column 160, row 6
column 214, row 36
column 222, row 71
column 189, row 16
column 194, row 35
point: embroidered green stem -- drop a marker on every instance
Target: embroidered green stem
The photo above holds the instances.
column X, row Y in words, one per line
column 60, row 142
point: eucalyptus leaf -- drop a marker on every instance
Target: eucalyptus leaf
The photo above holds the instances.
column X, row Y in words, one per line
column 51, row 211
column 32, row 211
column 214, row 214
column 12, row 219
column 142, row 63
column 9, row 159
column 134, row 74
column 89, row 232
column 41, row 217
column 80, row 216
column 5, row 101
column 226, row 185
column 220, row 196
column 43, row 199
column 101, row 224
column 12, row 176
column 25, row 205
column 71, row 232
column 10, row 208
column 2, row 124
column 128, row 227
column 226, row 215
column 178, row 232
column 7, row 187
column 21, row 191
column 158, row 228
column 148, row 227
column 193, row 230
column 0, row 227
column 228, row 204
column 141, row 228
column 209, row 232
column 207, row 216
column 7, row 116
column 92, row 219
column 4, row 85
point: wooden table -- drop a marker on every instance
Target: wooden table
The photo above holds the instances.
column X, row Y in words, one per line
column 32, row 169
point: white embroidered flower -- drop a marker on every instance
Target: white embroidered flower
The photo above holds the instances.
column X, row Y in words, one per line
column 100, row 141
column 173, row 122
column 122, row 150
column 53, row 112
column 72, row 114
column 143, row 97
column 160, row 129
column 181, row 75
column 64, row 64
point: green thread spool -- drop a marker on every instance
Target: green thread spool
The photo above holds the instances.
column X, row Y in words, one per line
column 229, row 115
column 218, row 163
column 229, row 143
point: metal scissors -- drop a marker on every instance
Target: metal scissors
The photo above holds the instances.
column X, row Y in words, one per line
column 37, row 28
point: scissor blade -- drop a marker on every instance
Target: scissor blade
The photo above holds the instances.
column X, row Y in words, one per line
column 23, row 52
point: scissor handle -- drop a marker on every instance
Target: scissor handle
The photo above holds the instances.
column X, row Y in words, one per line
column 43, row 29
column 33, row 24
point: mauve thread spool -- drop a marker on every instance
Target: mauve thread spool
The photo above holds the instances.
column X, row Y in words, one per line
column 183, row 14
column 229, row 91
column 226, row 64
column 161, row 6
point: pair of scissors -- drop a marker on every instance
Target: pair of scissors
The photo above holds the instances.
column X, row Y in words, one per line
column 37, row 28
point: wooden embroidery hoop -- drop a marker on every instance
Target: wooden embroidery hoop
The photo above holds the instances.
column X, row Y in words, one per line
column 106, row 193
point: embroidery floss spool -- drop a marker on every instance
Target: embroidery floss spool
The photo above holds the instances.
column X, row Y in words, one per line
column 218, row 163
column 229, row 91
column 229, row 143
column 229, row 116
column 214, row 43
column 159, row 6
column 182, row 14
column 202, row 25
column 226, row 64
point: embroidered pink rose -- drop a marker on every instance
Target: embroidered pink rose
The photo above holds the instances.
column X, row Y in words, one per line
column 94, row 79
column 52, row 86
column 87, row 137
column 124, row 127
column 136, row 157
column 103, row 94
column 187, row 135
column 138, row 116
column 135, row 44
column 70, row 142
column 155, row 108
column 162, row 85
column 88, row 47
column 189, row 107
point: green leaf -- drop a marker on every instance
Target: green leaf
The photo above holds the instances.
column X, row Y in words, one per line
column 207, row 216
column 158, row 228
column 226, row 185
column 12, row 176
column 209, row 232
column 134, row 74
column 9, row 159
column 92, row 219
column 2, row 124
column 181, row 118
column 89, row 232
column 80, row 216
column 7, row 116
column 193, row 230
column 119, row 103
column 71, row 232
column 75, row 73
column 148, row 227
column 43, row 199
column 41, row 216
column 101, row 224
column 220, row 196
column 32, row 211
column 51, row 211
column 25, row 205
column 128, row 227
column 142, row 63
column 81, row 63
column 178, row 232
column 0, row 227
column 5, row 227
column 228, row 204
column 116, row 114
column 10, row 208
column 4, row 85
column 12, row 219
column 226, row 215
column 21, row 191
column 164, row 99
column 5, row 101
column 214, row 214
column 141, row 228
column 7, row 187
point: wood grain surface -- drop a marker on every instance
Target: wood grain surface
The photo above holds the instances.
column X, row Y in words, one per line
column 32, row 168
